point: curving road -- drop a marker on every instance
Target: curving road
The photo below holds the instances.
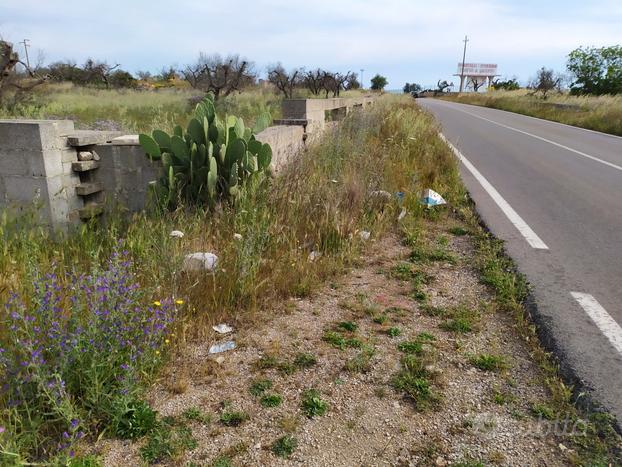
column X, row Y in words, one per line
column 554, row 193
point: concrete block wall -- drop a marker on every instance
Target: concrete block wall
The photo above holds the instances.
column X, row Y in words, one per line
column 35, row 166
column 37, row 157
column 125, row 172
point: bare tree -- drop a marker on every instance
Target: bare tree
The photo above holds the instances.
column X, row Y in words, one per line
column 476, row 82
column 98, row 72
column 219, row 76
column 314, row 81
column 441, row 86
column 284, row 81
column 545, row 81
column 8, row 77
column 352, row 82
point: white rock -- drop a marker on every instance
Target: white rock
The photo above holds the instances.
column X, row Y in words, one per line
column 222, row 328
column 402, row 215
column 176, row 234
column 200, row 262
column 364, row 234
column 237, row 236
column 95, row 156
column 85, row 156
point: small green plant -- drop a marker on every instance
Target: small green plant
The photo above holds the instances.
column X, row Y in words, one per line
column 402, row 271
column 271, row 400
column 420, row 296
column 233, row 418
column 414, row 381
column 461, row 324
column 222, row 461
column 166, row 441
column 258, row 387
column 380, row 319
column 458, row 231
column 430, row 310
column 267, row 362
column 132, row 418
column 488, row 362
column 195, row 414
column 284, row 446
column 305, row 360
column 312, row 404
column 410, row 347
column 425, row 336
column 338, row 340
column 85, row 461
column 394, row 332
column 347, row 326
column 543, row 411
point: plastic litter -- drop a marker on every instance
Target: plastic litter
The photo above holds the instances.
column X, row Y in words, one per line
column 223, row 347
column 401, row 215
column 200, row 262
column 432, row 198
column 237, row 236
column 314, row 255
column 222, row 328
column 176, row 234
column 364, row 234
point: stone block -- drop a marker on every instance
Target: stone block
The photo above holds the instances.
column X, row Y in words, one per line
column 26, row 189
column 14, row 162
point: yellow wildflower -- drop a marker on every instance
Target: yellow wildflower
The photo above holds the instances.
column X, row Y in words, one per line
column 157, row 303
column 179, row 302
column 166, row 341
column 157, row 352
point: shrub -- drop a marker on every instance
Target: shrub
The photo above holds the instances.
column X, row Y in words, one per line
column 284, row 446
column 75, row 355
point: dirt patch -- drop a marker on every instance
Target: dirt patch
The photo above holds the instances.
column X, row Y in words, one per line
column 353, row 328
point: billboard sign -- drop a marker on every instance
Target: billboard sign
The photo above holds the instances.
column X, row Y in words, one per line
column 478, row 69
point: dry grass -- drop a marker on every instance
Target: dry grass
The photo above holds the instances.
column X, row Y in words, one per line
column 600, row 113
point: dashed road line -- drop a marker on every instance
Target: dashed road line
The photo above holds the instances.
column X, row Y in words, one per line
column 607, row 325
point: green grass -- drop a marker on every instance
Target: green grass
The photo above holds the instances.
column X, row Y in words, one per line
column 347, row 326
column 361, row 362
column 271, row 400
column 305, row 360
column 284, row 446
column 458, row 231
column 394, row 332
column 233, row 418
column 410, row 347
column 489, row 362
column 337, row 339
column 135, row 111
column 168, row 440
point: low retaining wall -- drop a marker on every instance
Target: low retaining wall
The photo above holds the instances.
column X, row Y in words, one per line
column 71, row 174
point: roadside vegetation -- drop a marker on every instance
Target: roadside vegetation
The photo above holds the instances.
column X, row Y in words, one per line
column 95, row 318
column 599, row 113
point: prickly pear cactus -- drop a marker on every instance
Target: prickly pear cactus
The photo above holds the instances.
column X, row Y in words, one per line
column 210, row 160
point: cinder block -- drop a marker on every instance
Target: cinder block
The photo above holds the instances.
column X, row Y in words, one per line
column 26, row 189
column 14, row 162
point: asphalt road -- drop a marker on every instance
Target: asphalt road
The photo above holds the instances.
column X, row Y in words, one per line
column 558, row 206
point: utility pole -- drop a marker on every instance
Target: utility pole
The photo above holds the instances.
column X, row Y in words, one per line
column 466, row 39
column 362, row 83
column 26, row 45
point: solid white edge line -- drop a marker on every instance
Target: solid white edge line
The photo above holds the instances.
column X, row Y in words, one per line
column 617, row 167
column 607, row 325
column 526, row 231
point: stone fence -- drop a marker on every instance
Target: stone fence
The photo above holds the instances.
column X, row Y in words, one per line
column 73, row 175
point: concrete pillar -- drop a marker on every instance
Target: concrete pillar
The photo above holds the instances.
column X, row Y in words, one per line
column 35, row 168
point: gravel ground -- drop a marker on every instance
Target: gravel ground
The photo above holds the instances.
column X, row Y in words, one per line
column 368, row 422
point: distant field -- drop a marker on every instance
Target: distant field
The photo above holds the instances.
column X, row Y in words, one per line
column 600, row 113
column 134, row 110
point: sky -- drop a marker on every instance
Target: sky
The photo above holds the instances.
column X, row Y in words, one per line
column 405, row 40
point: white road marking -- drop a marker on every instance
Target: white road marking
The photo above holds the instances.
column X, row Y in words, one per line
column 526, row 231
column 601, row 318
column 617, row 167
